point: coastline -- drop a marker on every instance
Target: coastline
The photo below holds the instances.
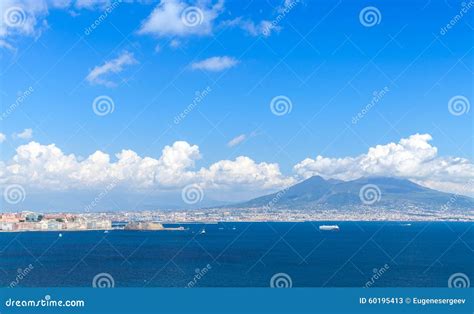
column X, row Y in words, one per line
column 244, row 221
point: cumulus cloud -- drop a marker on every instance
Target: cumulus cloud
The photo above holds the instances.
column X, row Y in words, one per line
column 24, row 135
column 412, row 158
column 2, row 137
column 21, row 18
column 237, row 140
column 98, row 75
column 28, row 18
column 177, row 18
column 215, row 64
column 48, row 167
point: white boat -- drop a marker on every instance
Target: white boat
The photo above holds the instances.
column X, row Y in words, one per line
column 329, row 227
column 203, row 231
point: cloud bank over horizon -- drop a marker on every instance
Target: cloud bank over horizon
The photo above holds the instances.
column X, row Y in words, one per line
column 48, row 168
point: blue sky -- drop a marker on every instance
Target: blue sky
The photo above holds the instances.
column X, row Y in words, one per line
column 318, row 54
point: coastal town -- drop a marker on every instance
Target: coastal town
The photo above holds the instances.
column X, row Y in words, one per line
column 157, row 219
column 31, row 221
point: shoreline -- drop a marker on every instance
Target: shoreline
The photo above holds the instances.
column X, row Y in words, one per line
column 246, row 221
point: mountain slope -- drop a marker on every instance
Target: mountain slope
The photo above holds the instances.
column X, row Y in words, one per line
column 375, row 191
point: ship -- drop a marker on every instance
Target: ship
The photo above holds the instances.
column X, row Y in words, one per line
column 329, row 227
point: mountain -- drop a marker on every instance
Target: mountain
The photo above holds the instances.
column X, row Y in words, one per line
column 373, row 191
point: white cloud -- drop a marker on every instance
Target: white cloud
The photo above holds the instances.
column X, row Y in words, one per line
column 28, row 18
column 262, row 28
column 215, row 64
column 21, row 18
column 412, row 158
column 237, row 140
column 47, row 167
column 90, row 4
column 25, row 134
column 98, row 75
column 177, row 18
column 2, row 137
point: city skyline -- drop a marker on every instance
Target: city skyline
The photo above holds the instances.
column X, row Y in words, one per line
column 153, row 97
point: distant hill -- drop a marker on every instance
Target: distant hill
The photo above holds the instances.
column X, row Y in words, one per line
column 372, row 191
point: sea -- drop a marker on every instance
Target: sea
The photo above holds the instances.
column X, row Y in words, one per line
column 293, row 254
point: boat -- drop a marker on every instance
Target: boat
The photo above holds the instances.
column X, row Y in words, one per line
column 106, row 231
column 329, row 227
column 203, row 231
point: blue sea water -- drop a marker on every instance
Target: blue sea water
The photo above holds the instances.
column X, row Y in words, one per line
column 385, row 254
